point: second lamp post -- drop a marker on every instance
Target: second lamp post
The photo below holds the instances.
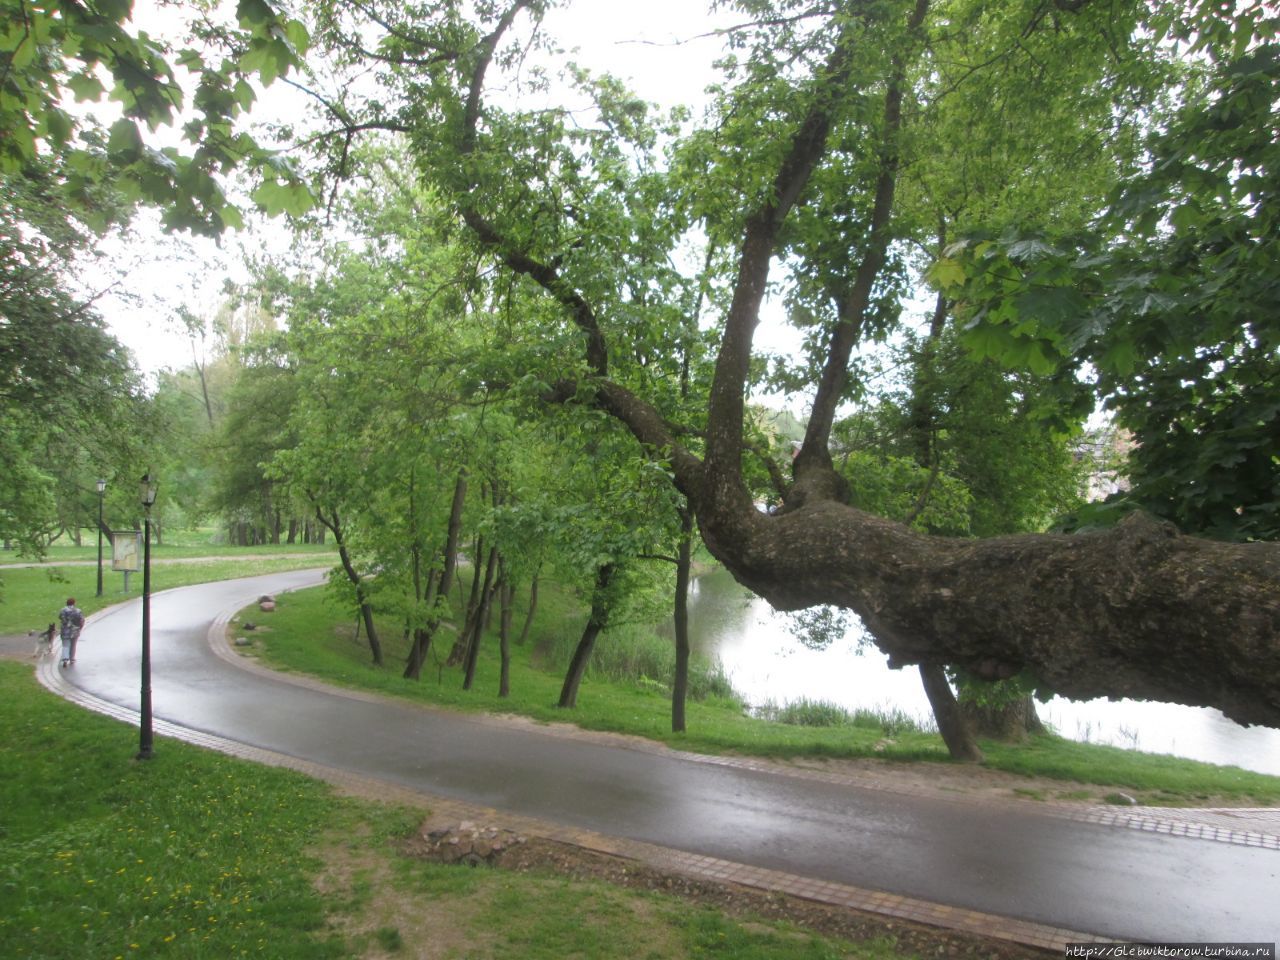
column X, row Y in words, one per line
column 102, row 485
column 147, row 494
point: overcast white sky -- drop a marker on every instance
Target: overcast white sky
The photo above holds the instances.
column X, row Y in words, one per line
column 662, row 47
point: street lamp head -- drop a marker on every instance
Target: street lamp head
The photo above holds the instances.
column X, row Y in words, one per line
column 102, row 485
column 147, row 490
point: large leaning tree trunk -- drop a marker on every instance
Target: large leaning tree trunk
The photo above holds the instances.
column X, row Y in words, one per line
column 1011, row 721
column 1135, row 611
column 954, row 726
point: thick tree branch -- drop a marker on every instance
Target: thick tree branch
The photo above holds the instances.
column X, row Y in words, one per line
column 645, row 423
column 726, row 405
column 1136, row 611
column 547, row 277
column 542, row 274
column 852, row 310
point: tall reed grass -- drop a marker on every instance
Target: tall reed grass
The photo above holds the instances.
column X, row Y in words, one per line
column 634, row 654
column 822, row 713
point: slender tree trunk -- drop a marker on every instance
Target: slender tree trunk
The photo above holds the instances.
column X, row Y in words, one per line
column 423, row 634
column 684, row 565
column 533, row 606
column 366, row 610
column 459, row 651
column 422, row 638
column 481, row 616
column 455, row 529
column 596, row 622
column 504, row 629
column 293, row 531
column 951, row 722
column 366, row 613
column 204, row 384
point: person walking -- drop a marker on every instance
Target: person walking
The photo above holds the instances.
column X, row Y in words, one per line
column 72, row 620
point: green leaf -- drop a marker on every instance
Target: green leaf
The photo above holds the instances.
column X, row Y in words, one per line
column 190, row 60
column 58, row 126
column 989, row 341
column 1051, row 307
column 1031, row 249
column 254, row 13
column 244, row 94
column 947, row 274
column 117, row 10
column 1187, row 217
column 276, row 198
column 1041, row 358
column 124, row 141
column 298, row 37
column 86, row 87
column 231, row 217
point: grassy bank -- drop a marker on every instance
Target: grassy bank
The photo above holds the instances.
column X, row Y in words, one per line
column 195, row 855
column 175, row 542
column 30, row 597
column 309, row 635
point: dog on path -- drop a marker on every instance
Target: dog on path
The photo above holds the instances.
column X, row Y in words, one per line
column 44, row 642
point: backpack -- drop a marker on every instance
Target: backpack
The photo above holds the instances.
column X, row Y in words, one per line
column 72, row 620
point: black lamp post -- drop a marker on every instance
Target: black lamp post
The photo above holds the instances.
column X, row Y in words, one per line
column 102, row 485
column 147, row 494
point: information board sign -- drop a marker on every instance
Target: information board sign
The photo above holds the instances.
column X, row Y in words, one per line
column 126, row 550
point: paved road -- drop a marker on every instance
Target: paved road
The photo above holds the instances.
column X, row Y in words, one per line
column 999, row 859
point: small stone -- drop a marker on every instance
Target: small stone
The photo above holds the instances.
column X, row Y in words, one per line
column 248, row 625
column 266, row 606
column 1120, row 800
column 243, row 642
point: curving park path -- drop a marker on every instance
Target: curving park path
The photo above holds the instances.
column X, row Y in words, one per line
column 1032, row 873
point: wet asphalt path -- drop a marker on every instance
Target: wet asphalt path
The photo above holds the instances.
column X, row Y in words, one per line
column 1105, row 880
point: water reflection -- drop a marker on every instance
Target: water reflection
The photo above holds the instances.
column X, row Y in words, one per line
column 766, row 663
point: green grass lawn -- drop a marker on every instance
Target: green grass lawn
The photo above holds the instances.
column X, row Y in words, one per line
column 167, row 550
column 196, row 856
column 30, row 597
column 308, row 634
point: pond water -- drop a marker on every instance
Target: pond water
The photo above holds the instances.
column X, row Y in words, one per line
column 766, row 663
